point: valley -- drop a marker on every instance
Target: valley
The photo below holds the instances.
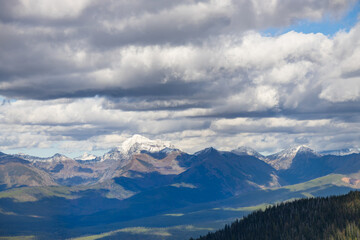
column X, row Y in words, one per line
column 149, row 189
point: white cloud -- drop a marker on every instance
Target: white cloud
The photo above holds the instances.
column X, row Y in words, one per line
column 181, row 16
column 50, row 9
column 186, row 71
column 342, row 90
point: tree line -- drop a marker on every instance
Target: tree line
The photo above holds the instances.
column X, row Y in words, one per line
column 334, row 218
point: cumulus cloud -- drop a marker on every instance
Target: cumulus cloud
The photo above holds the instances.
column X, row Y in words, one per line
column 49, row 9
column 89, row 74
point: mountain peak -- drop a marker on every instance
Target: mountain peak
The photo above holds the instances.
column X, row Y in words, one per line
column 341, row 152
column 284, row 159
column 85, row 157
column 138, row 143
column 294, row 150
column 208, row 150
column 244, row 150
column 59, row 157
column 55, row 157
column 305, row 149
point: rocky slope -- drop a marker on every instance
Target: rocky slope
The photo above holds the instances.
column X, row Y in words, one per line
column 16, row 172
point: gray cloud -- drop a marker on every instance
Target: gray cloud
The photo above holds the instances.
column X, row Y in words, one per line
column 90, row 73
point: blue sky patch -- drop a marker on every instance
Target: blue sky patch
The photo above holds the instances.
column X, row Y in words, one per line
column 327, row 26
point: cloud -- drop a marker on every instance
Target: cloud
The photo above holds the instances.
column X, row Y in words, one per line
column 89, row 74
column 49, row 9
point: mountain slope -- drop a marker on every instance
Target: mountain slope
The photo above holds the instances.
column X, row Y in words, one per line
column 226, row 173
column 316, row 218
column 341, row 152
column 88, row 211
column 16, row 172
column 135, row 145
column 151, row 183
column 307, row 166
column 283, row 160
column 248, row 151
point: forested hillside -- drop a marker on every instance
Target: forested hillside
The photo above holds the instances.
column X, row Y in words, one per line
column 336, row 217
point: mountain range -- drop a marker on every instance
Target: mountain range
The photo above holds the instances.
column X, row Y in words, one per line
column 151, row 184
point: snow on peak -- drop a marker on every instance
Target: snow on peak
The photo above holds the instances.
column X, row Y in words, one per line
column 207, row 151
column 56, row 157
column 138, row 143
column 292, row 151
column 86, row 157
column 342, row 152
column 283, row 159
column 243, row 150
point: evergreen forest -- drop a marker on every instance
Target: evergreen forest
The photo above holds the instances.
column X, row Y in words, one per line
column 335, row 218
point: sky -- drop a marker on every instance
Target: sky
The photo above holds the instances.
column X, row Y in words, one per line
column 83, row 76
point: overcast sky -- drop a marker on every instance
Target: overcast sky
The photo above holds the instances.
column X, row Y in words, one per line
column 82, row 76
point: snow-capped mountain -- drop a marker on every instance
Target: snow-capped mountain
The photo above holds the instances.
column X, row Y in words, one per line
column 283, row 160
column 137, row 144
column 86, row 157
column 140, row 154
column 55, row 157
column 248, row 151
column 139, row 162
column 27, row 157
column 341, row 152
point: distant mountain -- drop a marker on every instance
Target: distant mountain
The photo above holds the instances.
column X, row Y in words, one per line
column 300, row 163
column 55, row 157
column 209, row 175
column 136, row 155
column 67, row 171
column 151, row 182
column 86, row 157
column 243, row 151
column 281, row 160
column 17, row 172
column 138, row 143
column 227, row 173
column 142, row 155
column 307, row 165
column 341, row 152
column 135, row 145
column 284, row 159
column 139, row 158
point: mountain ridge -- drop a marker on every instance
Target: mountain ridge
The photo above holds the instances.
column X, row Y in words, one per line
column 138, row 143
column 139, row 155
column 152, row 181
